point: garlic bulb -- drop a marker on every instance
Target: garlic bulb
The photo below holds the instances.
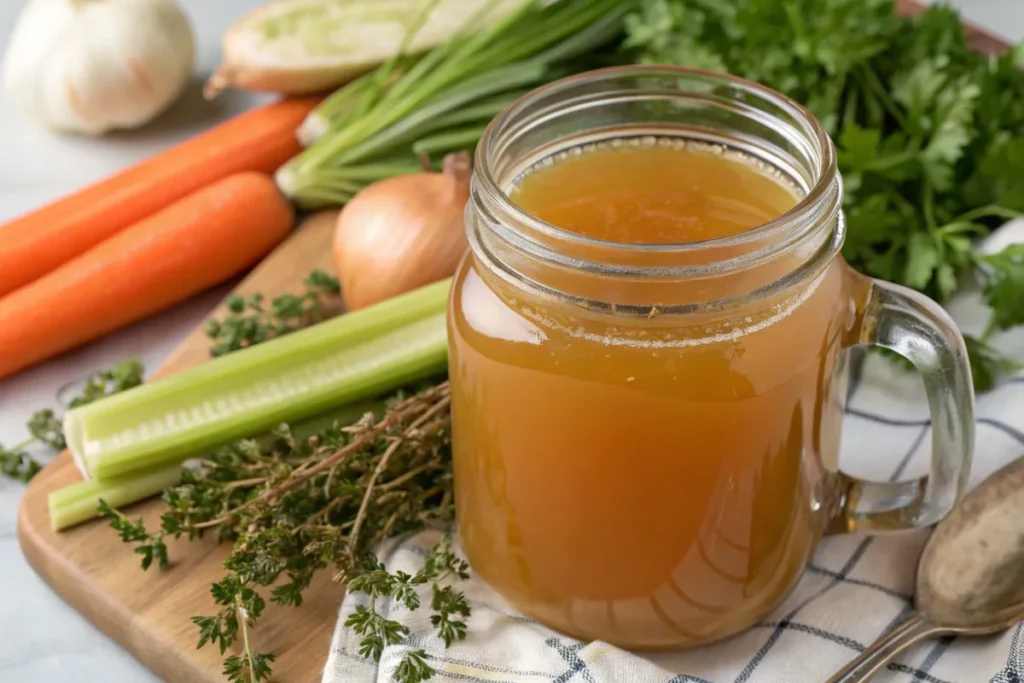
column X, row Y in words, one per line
column 89, row 66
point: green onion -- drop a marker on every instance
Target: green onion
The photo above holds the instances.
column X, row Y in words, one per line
column 442, row 101
column 346, row 359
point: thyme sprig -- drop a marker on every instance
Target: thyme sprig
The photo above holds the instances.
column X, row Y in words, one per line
column 249, row 321
column 295, row 506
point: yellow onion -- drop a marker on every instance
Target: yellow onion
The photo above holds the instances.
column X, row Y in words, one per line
column 402, row 233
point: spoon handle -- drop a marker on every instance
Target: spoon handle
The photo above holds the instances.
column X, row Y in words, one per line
column 884, row 650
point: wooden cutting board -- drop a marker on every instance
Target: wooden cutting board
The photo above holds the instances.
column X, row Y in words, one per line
column 148, row 613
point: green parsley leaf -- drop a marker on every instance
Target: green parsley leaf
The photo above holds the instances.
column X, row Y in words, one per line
column 18, row 465
column 954, row 108
column 987, row 364
column 670, row 31
column 858, row 147
column 1003, row 286
column 999, row 179
column 46, row 427
column 923, row 258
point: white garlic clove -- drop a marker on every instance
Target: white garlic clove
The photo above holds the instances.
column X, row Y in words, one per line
column 90, row 66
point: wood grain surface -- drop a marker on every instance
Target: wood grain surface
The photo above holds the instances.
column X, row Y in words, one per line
column 149, row 613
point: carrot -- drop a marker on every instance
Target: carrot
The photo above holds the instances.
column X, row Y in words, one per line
column 258, row 140
column 189, row 246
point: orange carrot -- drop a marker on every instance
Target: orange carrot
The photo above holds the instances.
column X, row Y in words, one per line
column 191, row 245
column 259, row 140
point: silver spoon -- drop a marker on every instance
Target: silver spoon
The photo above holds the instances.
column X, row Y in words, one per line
column 970, row 578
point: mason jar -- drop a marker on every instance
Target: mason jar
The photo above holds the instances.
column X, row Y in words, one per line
column 646, row 436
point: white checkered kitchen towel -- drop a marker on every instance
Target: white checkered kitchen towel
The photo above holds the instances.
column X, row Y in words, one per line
column 856, row 588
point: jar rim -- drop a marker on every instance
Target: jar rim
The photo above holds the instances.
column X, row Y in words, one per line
column 805, row 207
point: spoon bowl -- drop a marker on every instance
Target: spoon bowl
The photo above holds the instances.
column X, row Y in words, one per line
column 971, row 573
column 970, row 576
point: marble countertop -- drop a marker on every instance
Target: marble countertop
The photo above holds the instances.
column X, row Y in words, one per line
column 44, row 639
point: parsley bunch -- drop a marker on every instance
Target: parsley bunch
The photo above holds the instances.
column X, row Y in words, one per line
column 250, row 322
column 296, row 506
column 45, row 426
column 930, row 134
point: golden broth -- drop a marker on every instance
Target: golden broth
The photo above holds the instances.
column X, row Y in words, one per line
column 649, row 483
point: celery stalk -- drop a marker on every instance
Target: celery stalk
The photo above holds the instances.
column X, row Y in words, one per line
column 349, row 358
column 79, row 502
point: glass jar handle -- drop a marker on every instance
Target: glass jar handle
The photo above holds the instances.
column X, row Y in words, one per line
column 918, row 329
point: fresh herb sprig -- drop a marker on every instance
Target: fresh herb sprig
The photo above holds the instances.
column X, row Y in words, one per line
column 930, row 133
column 448, row 605
column 121, row 376
column 297, row 506
column 45, row 426
column 250, row 322
column 18, row 464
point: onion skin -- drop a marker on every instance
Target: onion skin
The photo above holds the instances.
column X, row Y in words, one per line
column 402, row 233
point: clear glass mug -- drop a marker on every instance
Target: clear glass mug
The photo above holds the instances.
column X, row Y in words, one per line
column 646, row 436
